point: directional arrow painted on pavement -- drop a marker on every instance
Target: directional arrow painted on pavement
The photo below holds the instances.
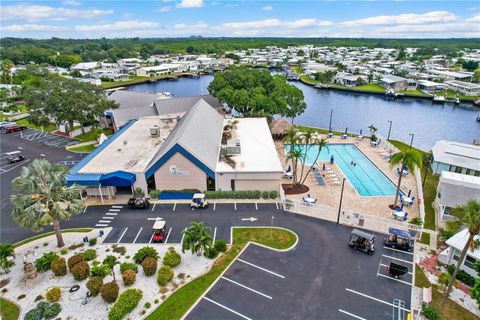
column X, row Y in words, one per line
column 249, row 219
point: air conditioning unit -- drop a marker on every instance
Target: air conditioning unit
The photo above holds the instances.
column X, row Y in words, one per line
column 233, row 147
column 154, row 132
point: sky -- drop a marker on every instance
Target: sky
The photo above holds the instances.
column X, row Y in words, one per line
column 184, row 18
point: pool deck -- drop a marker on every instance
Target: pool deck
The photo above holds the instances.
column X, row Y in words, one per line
column 329, row 194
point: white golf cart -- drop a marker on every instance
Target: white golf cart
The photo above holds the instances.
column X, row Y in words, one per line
column 198, row 201
column 14, row 156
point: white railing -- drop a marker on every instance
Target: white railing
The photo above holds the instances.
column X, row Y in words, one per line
column 78, row 131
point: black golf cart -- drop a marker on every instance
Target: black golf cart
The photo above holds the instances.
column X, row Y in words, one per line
column 363, row 241
column 399, row 239
column 138, row 203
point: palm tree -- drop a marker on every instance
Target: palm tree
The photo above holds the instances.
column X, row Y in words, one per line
column 43, row 197
column 426, row 166
column 410, row 159
column 320, row 143
column 295, row 156
column 468, row 215
column 197, row 238
column 6, row 251
column 372, row 129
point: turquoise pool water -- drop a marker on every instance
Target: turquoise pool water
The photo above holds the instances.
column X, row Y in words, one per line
column 365, row 177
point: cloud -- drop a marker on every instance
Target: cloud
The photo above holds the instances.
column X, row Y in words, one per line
column 267, row 8
column 274, row 23
column 164, row 9
column 191, row 27
column 475, row 18
column 186, row 4
column 406, row 18
column 31, row 27
column 71, row 3
column 119, row 25
column 39, row 12
column 450, row 28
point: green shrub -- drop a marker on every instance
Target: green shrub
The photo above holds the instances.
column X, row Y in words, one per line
column 444, row 278
column 211, row 253
column 273, row 194
column 182, row 190
column 147, row 305
column 144, row 253
column 430, row 312
column 80, row 271
column 256, row 194
column 149, row 266
column 33, row 314
column 127, row 301
column 38, row 298
column 54, row 294
column 73, row 260
column 109, row 292
column 129, row 277
column 89, row 255
column 172, row 258
column 44, row 310
column 94, row 285
column 76, row 246
column 63, row 252
column 59, row 267
column 92, row 242
column 128, row 266
column 462, row 276
column 165, row 275
column 476, row 291
column 265, row 194
column 119, row 249
column 154, row 194
column 101, row 270
column 44, row 263
column 220, row 245
column 52, row 311
column 110, row 260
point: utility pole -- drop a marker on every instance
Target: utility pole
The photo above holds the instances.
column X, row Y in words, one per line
column 330, row 125
column 389, row 129
column 411, row 140
column 341, row 199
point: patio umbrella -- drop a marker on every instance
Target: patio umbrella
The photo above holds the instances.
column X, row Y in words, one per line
column 332, row 159
column 409, row 192
column 361, row 130
column 324, row 167
column 346, row 130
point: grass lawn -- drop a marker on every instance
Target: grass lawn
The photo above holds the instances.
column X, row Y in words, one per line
column 87, row 148
column 325, row 131
column 8, row 310
column 132, row 80
column 374, row 87
column 43, row 235
column 181, row 300
column 425, row 238
column 416, row 93
column 49, row 128
column 429, row 190
column 309, row 80
column 93, row 135
column 450, row 310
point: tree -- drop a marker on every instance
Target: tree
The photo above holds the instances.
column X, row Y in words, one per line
column 66, row 100
column 372, row 129
column 65, row 60
column 410, row 159
column 467, row 215
column 360, row 81
column 76, row 73
column 469, row 65
column 370, row 77
column 43, row 198
column 426, row 166
column 401, row 54
column 197, row 238
column 6, row 251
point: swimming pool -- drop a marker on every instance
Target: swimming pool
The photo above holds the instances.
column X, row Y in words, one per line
column 365, row 177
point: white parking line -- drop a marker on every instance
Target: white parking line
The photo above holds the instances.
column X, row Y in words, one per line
column 376, row 299
column 111, row 213
column 256, row 206
column 384, row 265
column 392, row 278
column 139, row 231
column 101, row 225
column 227, row 308
column 110, row 218
column 394, row 258
column 84, row 210
column 168, row 235
column 248, row 288
column 117, row 207
column 276, row 204
column 406, row 252
column 214, row 205
column 183, row 235
column 235, row 204
column 114, row 210
column 119, row 239
column 174, row 206
column 20, row 148
column 258, row 267
column 18, row 165
column 151, row 238
column 154, row 206
column 214, row 234
column 351, row 314
column 104, row 221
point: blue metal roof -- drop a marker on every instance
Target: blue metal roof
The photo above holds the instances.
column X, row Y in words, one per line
column 84, row 179
column 118, row 179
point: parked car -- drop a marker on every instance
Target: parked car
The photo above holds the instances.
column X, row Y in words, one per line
column 6, row 124
column 15, row 129
column 14, row 156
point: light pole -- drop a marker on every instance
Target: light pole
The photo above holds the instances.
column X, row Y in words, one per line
column 341, row 199
column 271, row 227
column 389, row 129
column 411, row 140
column 330, row 125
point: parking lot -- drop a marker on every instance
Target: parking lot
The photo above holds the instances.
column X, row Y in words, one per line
column 46, row 138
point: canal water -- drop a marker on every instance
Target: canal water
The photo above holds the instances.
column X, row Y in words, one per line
column 355, row 111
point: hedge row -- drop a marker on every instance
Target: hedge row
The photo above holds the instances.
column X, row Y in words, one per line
column 241, row 194
column 127, row 301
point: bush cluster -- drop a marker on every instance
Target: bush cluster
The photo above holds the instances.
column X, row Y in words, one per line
column 44, row 310
column 165, row 275
column 149, row 266
column 211, row 253
column 76, row 246
column 127, row 301
column 154, row 194
column 129, row 277
column 59, row 267
column 109, row 292
column 110, row 260
column 54, row 294
column 101, row 270
column 80, row 271
column 128, row 266
column 44, row 263
column 462, row 276
column 172, row 258
column 92, row 242
column 89, row 255
column 430, row 312
column 94, row 285
column 256, row 194
column 73, row 260
column 220, row 245
column 182, row 191
column 119, row 249
column 144, row 253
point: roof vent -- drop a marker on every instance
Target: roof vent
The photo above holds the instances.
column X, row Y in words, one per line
column 233, row 147
column 154, row 131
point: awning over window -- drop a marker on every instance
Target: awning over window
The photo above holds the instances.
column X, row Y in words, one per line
column 118, row 179
column 84, row 179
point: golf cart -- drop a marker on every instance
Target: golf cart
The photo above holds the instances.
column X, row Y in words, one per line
column 138, row 203
column 361, row 240
column 159, row 231
column 14, row 156
column 399, row 239
column 198, row 201
column 396, row 270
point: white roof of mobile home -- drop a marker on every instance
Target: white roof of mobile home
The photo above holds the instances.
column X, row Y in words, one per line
column 456, row 188
column 457, row 154
column 459, row 240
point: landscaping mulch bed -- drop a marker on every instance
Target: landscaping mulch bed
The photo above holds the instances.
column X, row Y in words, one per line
column 289, row 189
